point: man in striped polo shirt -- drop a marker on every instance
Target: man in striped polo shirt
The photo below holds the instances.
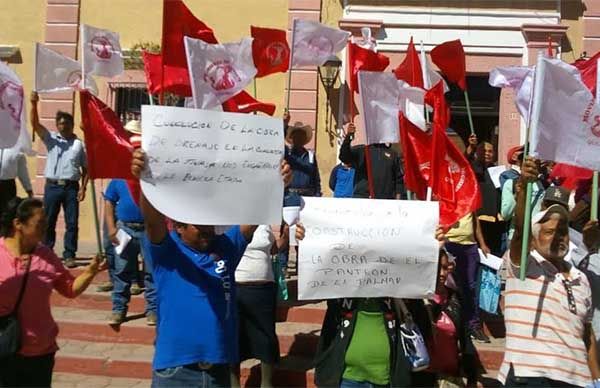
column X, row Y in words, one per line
column 549, row 338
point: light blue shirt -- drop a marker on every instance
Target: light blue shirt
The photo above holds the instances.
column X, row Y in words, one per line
column 65, row 157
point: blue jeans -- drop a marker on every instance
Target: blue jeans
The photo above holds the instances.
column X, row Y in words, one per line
column 467, row 277
column 125, row 272
column 359, row 384
column 109, row 250
column 55, row 197
column 190, row 376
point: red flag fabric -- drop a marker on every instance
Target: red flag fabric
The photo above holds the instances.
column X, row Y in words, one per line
column 450, row 58
column 588, row 69
column 452, row 178
column 570, row 176
column 270, row 51
column 363, row 59
column 176, row 79
column 106, row 141
column 410, row 69
column 416, row 151
column 179, row 21
column 245, row 103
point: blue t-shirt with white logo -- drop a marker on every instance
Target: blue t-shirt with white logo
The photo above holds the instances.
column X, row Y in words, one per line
column 197, row 314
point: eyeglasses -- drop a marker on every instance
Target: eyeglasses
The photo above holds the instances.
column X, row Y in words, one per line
column 570, row 297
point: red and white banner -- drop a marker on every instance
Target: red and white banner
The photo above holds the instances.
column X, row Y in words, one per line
column 314, row 42
column 218, row 71
column 56, row 73
column 101, row 52
column 13, row 131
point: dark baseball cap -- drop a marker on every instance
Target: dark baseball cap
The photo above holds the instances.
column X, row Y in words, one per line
column 557, row 195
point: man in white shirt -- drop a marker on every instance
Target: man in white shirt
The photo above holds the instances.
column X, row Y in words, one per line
column 12, row 165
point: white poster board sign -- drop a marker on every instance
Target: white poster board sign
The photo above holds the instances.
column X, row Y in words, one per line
column 367, row 248
column 213, row 168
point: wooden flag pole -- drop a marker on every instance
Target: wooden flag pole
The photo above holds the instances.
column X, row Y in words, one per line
column 289, row 80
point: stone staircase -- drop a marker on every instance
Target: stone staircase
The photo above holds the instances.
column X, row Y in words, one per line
column 94, row 354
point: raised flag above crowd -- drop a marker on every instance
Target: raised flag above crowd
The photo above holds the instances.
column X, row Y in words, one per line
column 101, row 52
column 314, row 43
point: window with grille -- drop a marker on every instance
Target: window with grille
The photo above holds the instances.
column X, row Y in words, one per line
column 127, row 99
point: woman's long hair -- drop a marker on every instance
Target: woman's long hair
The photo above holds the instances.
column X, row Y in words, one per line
column 17, row 208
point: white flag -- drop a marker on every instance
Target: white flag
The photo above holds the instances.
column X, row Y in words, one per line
column 56, row 73
column 382, row 98
column 565, row 116
column 314, row 42
column 13, row 130
column 430, row 76
column 101, row 52
column 218, row 71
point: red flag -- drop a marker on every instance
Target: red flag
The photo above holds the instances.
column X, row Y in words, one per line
column 245, row 103
column 588, row 69
column 179, row 21
column 410, row 69
column 570, row 176
column 270, row 51
column 450, row 58
column 106, row 141
column 416, row 151
column 176, row 79
column 363, row 59
column 452, row 178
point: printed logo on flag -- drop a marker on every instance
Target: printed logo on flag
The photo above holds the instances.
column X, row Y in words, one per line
column 320, row 45
column 101, row 46
column 458, row 174
column 221, row 75
column 74, row 78
column 276, row 52
column 11, row 100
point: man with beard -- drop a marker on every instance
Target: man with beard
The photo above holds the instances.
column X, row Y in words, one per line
column 193, row 269
column 549, row 338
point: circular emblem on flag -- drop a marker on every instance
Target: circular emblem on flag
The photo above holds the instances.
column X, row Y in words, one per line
column 276, row 53
column 11, row 101
column 101, row 47
column 74, row 78
column 596, row 127
column 457, row 173
column 320, row 45
column 221, row 75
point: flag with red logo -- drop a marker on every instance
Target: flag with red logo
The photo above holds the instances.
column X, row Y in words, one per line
column 107, row 145
column 450, row 58
column 568, row 120
column 101, row 52
column 589, row 71
column 416, row 151
column 245, row 103
column 178, row 22
column 452, row 178
column 270, row 51
column 176, row 79
column 364, row 59
column 218, row 71
column 56, row 73
column 410, row 69
column 314, row 42
column 13, row 132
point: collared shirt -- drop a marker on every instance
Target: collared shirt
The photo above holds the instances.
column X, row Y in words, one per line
column 66, row 157
column 305, row 172
column 126, row 210
column 543, row 337
column 196, row 300
column 14, row 164
column 38, row 329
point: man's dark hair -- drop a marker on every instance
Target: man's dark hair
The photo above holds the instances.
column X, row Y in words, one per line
column 17, row 208
column 66, row 116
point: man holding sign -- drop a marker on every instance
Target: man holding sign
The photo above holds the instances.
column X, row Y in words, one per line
column 196, row 337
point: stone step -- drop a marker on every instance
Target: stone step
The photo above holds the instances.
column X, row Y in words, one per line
column 74, row 380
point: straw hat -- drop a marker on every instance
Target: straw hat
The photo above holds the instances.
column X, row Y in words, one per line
column 134, row 126
column 298, row 126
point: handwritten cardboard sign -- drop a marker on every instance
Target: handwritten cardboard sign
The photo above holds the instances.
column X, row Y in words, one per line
column 367, row 248
column 213, row 168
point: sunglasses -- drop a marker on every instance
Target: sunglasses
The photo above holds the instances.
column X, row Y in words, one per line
column 570, row 296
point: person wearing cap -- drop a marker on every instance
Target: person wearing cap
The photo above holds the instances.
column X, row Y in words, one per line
column 66, row 166
column 514, row 157
column 549, row 337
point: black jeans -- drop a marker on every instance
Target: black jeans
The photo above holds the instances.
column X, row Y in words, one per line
column 21, row 371
column 65, row 196
column 538, row 382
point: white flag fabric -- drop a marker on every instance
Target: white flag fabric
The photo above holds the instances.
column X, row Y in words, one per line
column 56, row 73
column 314, row 42
column 382, row 98
column 565, row 117
column 13, row 130
column 101, row 52
column 218, row 71
column 430, row 76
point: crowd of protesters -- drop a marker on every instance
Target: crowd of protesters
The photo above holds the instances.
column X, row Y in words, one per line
column 213, row 296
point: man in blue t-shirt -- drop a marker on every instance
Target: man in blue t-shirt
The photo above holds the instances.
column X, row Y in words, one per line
column 122, row 213
column 196, row 337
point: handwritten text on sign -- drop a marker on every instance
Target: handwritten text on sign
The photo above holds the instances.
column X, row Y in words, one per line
column 367, row 248
column 213, row 168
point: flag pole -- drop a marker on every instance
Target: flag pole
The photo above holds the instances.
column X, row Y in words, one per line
column 289, row 80
column 161, row 97
column 96, row 218
column 532, row 127
column 82, row 57
column 594, row 199
column 425, row 75
column 254, row 84
column 468, row 104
